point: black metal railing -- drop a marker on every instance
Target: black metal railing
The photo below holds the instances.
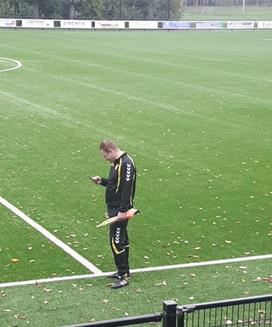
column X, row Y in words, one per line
column 251, row 311
column 167, row 317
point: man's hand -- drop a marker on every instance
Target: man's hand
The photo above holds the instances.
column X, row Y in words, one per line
column 121, row 215
column 96, row 179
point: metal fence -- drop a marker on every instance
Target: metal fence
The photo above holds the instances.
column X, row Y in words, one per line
column 250, row 311
column 167, row 317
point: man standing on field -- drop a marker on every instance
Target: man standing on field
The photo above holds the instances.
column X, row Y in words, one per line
column 120, row 191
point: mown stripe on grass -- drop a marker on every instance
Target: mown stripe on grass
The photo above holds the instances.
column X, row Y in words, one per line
column 36, row 106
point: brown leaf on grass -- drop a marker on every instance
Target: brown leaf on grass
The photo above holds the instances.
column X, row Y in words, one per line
column 228, row 321
column 264, row 279
column 164, row 283
column 14, row 260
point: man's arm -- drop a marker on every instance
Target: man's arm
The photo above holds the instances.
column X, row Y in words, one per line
column 127, row 179
column 99, row 180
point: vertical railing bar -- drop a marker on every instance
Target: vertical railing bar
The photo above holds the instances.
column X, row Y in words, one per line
column 249, row 312
column 255, row 318
column 193, row 318
column 238, row 314
column 232, row 313
column 270, row 311
column 215, row 318
column 187, row 319
column 210, row 317
column 221, row 317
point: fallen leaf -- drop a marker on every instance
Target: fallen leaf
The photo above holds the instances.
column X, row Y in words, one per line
column 14, row 260
column 264, row 279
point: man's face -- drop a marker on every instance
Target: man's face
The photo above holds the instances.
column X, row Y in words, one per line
column 109, row 156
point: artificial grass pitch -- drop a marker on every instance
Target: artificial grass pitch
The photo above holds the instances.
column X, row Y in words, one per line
column 192, row 109
column 65, row 303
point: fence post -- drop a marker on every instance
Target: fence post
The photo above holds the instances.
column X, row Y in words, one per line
column 169, row 313
column 180, row 318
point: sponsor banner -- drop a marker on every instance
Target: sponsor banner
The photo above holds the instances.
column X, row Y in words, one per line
column 7, row 22
column 265, row 24
column 176, row 25
column 143, row 24
column 209, row 25
column 37, row 23
column 76, row 24
column 240, row 25
column 109, row 24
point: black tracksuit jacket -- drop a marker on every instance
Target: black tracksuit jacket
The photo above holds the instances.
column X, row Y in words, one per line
column 121, row 183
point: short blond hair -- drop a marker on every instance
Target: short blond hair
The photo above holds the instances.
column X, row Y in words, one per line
column 107, row 145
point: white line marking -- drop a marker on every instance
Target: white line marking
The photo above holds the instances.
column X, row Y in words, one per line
column 18, row 65
column 51, row 237
column 50, row 280
column 140, row 270
column 203, row 263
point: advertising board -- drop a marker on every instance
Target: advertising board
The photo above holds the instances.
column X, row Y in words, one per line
column 143, row 24
column 109, row 24
column 76, row 24
column 37, row 23
column 240, row 25
column 176, row 25
column 209, row 25
column 8, row 23
column 265, row 25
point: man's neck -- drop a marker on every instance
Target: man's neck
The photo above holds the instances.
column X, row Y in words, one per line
column 119, row 153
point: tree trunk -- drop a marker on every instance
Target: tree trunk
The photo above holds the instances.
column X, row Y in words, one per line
column 151, row 9
column 72, row 9
column 36, row 9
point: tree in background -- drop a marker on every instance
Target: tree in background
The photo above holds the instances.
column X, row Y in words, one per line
column 4, row 8
column 52, row 9
column 71, row 7
column 14, row 9
column 168, row 10
column 110, row 9
column 92, row 9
